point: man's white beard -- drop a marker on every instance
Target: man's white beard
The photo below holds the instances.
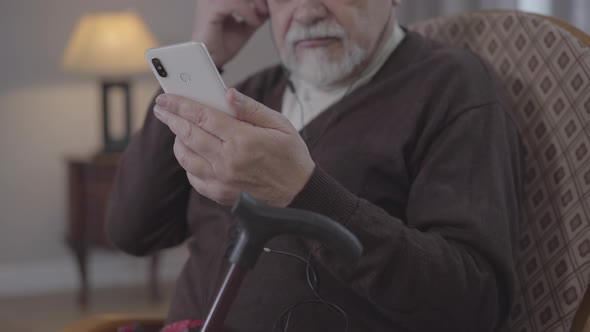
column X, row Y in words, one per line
column 315, row 66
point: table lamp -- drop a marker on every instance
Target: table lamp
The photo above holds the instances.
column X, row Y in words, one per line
column 110, row 46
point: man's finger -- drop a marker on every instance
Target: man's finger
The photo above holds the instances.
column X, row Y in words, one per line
column 198, row 140
column 247, row 11
column 192, row 162
column 217, row 123
column 261, row 7
column 213, row 190
column 255, row 113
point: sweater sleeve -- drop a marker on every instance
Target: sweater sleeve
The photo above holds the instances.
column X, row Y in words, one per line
column 148, row 205
column 449, row 264
column 147, row 209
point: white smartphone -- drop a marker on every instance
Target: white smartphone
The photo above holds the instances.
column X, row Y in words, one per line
column 187, row 70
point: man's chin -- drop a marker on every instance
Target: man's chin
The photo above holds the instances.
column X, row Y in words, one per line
column 324, row 70
column 322, row 75
column 314, row 68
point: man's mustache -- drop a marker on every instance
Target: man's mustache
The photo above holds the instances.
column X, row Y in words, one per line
column 324, row 29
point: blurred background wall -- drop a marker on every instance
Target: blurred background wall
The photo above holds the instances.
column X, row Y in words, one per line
column 47, row 115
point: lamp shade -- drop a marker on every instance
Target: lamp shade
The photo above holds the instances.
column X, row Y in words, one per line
column 109, row 45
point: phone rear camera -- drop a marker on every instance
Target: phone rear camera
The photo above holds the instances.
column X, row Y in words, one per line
column 159, row 67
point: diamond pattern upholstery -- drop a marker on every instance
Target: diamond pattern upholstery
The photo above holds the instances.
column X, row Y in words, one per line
column 546, row 71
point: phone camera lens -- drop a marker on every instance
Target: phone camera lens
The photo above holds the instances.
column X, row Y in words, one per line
column 159, row 67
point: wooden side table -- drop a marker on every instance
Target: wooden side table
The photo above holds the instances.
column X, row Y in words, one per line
column 90, row 181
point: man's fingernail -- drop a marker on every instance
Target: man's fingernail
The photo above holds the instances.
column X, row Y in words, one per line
column 158, row 112
column 162, row 100
column 237, row 97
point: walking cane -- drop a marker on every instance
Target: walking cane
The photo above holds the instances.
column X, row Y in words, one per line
column 258, row 224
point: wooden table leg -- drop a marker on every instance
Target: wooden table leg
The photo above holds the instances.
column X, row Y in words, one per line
column 76, row 237
column 80, row 252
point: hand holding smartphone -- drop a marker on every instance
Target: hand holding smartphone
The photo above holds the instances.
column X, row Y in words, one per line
column 187, row 70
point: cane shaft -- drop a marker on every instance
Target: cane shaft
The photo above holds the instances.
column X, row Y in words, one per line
column 224, row 300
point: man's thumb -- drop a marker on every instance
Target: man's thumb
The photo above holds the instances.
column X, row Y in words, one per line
column 249, row 110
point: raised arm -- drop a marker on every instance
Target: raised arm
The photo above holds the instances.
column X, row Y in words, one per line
column 147, row 209
column 148, row 205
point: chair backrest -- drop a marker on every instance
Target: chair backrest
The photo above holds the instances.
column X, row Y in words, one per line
column 546, row 70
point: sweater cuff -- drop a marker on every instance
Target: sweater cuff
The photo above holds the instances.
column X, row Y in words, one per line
column 324, row 195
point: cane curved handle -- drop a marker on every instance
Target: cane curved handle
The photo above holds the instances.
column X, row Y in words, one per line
column 260, row 222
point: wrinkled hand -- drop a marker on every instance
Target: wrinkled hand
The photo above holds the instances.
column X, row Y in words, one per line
column 224, row 26
column 258, row 152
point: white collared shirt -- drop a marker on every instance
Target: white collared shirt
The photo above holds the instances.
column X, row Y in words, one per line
column 310, row 102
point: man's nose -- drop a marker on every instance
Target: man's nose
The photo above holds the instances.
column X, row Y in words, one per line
column 309, row 12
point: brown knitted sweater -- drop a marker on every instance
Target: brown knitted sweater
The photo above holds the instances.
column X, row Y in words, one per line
column 422, row 164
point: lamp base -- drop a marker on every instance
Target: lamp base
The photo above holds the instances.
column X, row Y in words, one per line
column 113, row 144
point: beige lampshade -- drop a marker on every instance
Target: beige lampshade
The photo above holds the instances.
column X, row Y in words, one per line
column 109, row 45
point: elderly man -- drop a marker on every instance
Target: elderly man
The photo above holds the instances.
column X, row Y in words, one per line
column 404, row 141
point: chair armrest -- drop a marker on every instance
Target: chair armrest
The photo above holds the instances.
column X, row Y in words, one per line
column 109, row 323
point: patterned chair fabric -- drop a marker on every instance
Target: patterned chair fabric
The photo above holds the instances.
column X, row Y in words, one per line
column 546, row 71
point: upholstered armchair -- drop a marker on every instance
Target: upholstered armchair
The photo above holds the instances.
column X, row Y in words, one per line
column 545, row 65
